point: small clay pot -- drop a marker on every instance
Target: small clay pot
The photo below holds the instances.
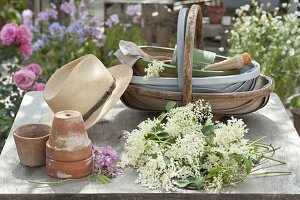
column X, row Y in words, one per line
column 62, row 155
column 68, row 148
column 63, row 170
column 31, row 141
column 68, row 131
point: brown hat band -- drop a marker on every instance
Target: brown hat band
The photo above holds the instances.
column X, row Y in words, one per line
column 101, row 101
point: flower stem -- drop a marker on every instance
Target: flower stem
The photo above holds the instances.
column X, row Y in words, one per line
column 266, row 167
column 56, row 182
column 269, row 151
column 262, row 145
column 275, row 172
column 274, row 159
column 251, row 143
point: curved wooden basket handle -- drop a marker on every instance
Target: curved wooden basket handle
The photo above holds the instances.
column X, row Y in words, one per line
column 193, row 38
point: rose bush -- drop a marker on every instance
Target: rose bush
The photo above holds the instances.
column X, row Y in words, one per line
column 15, row 49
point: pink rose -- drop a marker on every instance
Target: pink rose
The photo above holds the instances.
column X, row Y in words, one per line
column 26, row 49
column 34, row 68
column 24, row 79
column 38, row 87
column 8, row 33
column 23, row 35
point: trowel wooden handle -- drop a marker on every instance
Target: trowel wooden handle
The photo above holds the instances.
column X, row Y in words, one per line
column 232, row 63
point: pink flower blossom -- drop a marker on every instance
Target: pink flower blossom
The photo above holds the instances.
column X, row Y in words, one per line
column 35, row 68
column 38, row 87
column 23, row 35
column 8, row 34
column 24, row 79
column 26, row 49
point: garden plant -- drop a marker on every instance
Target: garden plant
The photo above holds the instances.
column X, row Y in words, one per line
column 273, row 39
column 34, row 45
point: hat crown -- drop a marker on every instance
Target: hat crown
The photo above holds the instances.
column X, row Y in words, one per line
column 79, row 84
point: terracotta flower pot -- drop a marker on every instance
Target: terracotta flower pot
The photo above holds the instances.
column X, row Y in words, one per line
column 68, row 146
column 296, row 116
column 31, row 141
column 215, row 14
column 62, row 170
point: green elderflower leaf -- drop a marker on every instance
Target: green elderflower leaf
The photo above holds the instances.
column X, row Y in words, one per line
column 208, row 130
column 199, row 182
column 248, row 166
column 183, row 183
column 170, row 105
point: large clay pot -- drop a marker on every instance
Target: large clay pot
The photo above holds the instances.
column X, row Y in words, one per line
column 31, row 141
column 215, row 14
column 68, row 145
column 296, row 117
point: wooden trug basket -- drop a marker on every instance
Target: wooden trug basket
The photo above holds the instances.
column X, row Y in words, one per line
column 234, row 103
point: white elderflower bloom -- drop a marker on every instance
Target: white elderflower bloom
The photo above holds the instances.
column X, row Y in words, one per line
column 245, row 7
column 187, row 148
column 181, row 121
column 215, row 185
column 136, row 144
column 150, row 174
column 229, row 139
column 284, row 5
column 232, row 132
column 153, row 70
column 188, row 119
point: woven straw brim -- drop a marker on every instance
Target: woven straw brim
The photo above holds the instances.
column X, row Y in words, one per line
column 122, row 75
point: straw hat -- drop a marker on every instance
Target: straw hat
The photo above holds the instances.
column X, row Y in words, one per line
column 87, row 86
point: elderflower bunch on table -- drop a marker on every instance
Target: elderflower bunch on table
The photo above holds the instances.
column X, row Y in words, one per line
column 184, row 148
column 273, row 39
column 153, row 70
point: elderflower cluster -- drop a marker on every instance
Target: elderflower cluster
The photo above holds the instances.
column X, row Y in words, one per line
column 182, row 120
column 188, row 150
column 136, row 144
column 153, row 70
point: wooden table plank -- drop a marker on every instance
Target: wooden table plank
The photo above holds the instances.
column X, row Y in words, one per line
column 271, row 121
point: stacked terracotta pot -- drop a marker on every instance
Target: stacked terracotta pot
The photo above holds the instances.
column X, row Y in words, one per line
column 68, row 150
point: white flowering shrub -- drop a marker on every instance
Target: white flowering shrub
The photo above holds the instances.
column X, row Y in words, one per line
column 183, row 148
column 273, row 40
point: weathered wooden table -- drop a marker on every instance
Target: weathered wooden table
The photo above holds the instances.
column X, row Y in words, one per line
column 271, row 121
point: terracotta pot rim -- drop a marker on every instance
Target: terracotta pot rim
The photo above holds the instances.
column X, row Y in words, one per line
column 67, row 114
column 295, row 110
column 34, row 138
